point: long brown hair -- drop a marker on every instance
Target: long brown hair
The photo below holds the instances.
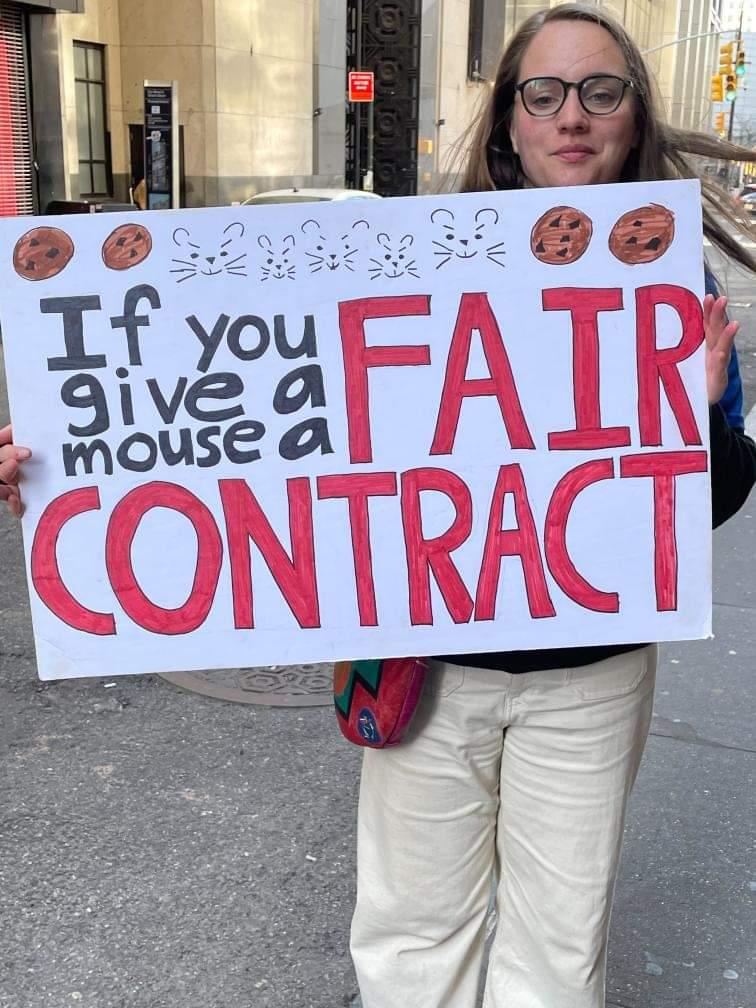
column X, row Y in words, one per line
column 662, row 151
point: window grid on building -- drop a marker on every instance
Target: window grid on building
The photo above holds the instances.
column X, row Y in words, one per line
column 94, row 162
column 475, row 41
column 16, row 157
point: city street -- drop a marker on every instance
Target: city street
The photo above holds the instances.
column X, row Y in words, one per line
column 160, row 849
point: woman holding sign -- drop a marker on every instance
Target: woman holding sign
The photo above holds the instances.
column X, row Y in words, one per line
column 520, row 764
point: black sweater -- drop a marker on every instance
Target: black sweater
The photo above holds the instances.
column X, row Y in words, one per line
column 733, row 473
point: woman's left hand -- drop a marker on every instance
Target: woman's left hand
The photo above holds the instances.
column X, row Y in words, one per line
column 720, row 335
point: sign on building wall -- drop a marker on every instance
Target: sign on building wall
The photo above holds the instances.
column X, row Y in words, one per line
column 361, row 86
column 161, row 146
column 299, row 433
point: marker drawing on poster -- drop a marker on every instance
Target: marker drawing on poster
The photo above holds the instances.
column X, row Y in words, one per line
column 410, row 426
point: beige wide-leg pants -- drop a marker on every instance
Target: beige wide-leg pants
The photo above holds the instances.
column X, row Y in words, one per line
column 520, row 777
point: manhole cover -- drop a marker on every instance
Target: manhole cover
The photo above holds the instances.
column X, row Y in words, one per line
column 276, row 686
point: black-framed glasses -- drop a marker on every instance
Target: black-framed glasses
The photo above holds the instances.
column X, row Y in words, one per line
column 599, row 94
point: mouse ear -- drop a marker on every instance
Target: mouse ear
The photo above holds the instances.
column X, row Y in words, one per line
column 383, row 240
column 440, row 212
column 264, row 242
column 364, row 223
column 176, row 239
column 289, row 238
column 408, row 239
column 486, row 211
column 236, row 224
column 309, row 225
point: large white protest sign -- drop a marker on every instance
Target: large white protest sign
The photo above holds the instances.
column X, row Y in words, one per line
column 413, row 426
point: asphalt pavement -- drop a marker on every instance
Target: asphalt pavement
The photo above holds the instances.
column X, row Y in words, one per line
column 163, row 850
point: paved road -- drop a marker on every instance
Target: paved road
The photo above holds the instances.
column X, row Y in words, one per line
column 161, row 850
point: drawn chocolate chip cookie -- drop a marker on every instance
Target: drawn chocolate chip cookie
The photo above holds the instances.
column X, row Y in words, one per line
column 642, row 235
column 127, row 246
column 42, row 253
column 561, row 235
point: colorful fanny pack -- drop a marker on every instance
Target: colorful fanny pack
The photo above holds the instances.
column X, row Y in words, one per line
column 375, row 700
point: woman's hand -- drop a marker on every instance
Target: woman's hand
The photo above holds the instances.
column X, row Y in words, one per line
column 719, row 335
column 11, row 457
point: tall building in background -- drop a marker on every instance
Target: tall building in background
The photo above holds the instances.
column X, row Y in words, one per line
column 730, row 14
column 744, row 113
column 262, row 89
column 25, row 57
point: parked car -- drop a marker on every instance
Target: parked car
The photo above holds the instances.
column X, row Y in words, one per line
column 306, row 196
column 746, row 190
column 748, row 202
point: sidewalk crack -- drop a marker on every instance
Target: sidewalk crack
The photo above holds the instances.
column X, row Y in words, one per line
column 682, row 731
column 732, row 605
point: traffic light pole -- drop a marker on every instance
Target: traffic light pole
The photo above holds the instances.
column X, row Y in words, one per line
column 731, row 122
column 689, row 38
column 739, row 42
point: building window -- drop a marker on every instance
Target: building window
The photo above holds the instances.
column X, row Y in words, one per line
column 486, row 37
column 475, row 41
column 94, row 162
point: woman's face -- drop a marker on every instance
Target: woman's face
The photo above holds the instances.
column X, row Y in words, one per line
column 573, row 147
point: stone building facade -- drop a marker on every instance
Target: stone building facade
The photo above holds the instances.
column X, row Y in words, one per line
column 262, row 89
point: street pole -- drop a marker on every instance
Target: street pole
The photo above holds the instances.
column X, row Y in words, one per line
column 731, row 122
column 738, row 43
column 688, row 38
column 358, row 108
column 370, row 177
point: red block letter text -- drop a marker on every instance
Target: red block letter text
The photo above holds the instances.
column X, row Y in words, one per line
column 475, row 313
column 425, row 555
column 657, row 367
column 357, row 488
column 358, row 358
column 294, row 576
column 122, row 528
column 521, row 541
column 44, row 563
column 663, row 467
column 584, row 306
column 563, row 570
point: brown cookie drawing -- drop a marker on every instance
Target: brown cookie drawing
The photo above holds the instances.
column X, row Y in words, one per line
column 42, row 253
column 561, row 235
column 127, row 246
column 642, row 235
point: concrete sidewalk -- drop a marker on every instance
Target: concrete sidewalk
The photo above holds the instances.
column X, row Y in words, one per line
column 683, row 928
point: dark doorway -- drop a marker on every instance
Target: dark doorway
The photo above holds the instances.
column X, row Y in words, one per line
column 384, row 36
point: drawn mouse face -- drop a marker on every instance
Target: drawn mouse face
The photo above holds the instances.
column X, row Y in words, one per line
column 460, row 239
column 209, row 258
column 332, row 252
column 278, row 261
column 395, row 258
